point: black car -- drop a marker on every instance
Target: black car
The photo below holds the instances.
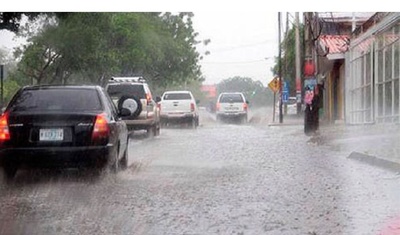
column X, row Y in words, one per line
column 62, row 126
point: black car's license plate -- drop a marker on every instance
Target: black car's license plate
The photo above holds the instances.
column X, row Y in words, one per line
column 51, row 134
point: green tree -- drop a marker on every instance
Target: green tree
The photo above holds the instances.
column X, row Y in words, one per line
column 288, row 59
column 10, row 86
column 92, row 47
column 254, row 91
column 12, row 20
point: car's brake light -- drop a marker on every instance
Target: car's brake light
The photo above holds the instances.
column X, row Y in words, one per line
column 191, row 107
column 218, row 106
column 245, row 106
column 148, row 98
column 101, row 128
column 4, row 130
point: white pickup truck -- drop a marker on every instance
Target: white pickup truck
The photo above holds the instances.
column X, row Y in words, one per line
column 178, row 107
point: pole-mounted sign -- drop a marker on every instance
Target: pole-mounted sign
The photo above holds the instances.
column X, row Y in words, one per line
column 274, row 85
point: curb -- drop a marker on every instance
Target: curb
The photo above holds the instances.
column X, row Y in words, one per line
column 375, row 161
column 286, row 124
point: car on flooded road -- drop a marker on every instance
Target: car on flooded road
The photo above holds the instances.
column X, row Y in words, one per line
column 147, row 114
column 62, row 126
column 179, row 107
column 232, row 106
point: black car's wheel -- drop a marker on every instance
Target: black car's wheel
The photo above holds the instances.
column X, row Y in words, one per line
column 124, row 160
column 115, row 161
column 138, row 104
column 10, row 170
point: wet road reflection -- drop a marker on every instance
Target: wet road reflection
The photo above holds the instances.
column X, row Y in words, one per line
column 217, row 179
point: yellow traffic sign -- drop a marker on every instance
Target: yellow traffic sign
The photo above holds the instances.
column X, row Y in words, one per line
column 274, row 84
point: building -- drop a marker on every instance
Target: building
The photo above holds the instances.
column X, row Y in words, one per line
column 210, row 91
column 372, row 71
column 328, row 34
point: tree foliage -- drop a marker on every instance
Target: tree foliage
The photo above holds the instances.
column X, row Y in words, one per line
column 88, row 47
column 254, row 91
column 10, row 86
column 12, row 20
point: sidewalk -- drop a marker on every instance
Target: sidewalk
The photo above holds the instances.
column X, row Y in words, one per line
column 378, row 144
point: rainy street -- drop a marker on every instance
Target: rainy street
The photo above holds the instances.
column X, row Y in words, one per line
column 218, row 179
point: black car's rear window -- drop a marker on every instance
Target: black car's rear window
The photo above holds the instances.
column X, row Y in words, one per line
column 231, row 98
column 118, row 90
column 177, row 96
column 57, row 100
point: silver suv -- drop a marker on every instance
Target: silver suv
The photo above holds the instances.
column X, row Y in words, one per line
column 147, row 114
column 232, row 105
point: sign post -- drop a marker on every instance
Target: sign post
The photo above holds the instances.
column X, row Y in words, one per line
column 274, row 85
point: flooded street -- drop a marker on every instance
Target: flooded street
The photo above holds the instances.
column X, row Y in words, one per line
column 217, row 179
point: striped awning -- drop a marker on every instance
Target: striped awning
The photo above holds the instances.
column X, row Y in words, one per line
column 334, row 46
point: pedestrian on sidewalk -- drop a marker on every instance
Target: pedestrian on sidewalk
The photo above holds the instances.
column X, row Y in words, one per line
column 312, row 100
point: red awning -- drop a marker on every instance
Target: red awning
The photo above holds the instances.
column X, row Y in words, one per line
column 334, row 46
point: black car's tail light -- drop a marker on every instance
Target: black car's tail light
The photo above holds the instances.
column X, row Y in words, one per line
column 101, row 129
column 4, row 130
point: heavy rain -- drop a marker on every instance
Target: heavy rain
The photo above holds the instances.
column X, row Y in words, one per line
column 315, row 155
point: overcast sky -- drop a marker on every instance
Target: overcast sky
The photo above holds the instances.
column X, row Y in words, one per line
column 242, row 44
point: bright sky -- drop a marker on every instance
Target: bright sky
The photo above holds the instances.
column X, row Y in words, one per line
column 242, row 44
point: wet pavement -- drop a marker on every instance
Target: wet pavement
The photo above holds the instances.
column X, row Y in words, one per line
column 217, row 179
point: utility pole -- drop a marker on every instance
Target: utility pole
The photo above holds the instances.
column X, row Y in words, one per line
column 298, row 66
column 280, row 70
column 285, row 73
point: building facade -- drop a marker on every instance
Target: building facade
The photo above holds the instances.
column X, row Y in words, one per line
column 372, row 72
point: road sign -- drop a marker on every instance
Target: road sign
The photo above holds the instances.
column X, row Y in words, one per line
column 310, row 83
column 285, row 97
column 274, row 85
column 285, row 92
column 285, row 87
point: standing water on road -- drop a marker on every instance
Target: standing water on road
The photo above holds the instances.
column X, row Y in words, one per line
column 221, row 178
